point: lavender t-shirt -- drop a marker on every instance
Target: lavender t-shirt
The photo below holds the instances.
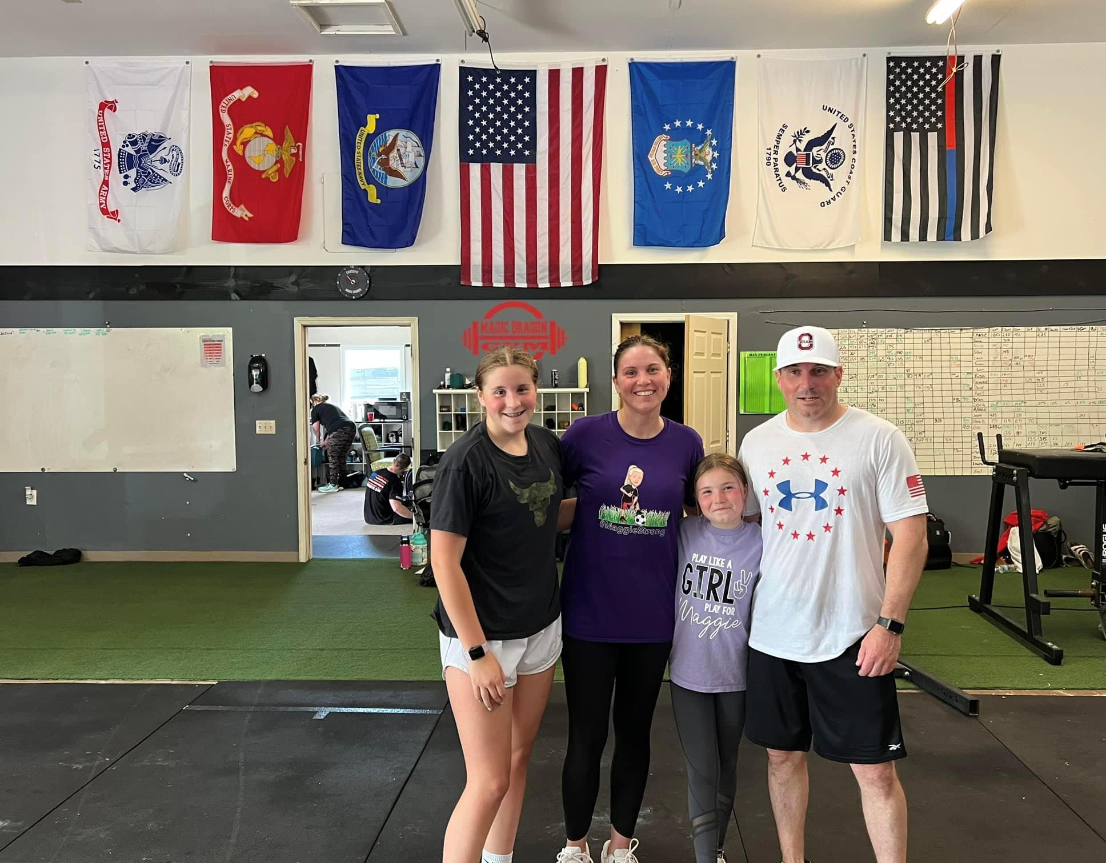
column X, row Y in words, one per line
column 620, row 571
column 714, row 595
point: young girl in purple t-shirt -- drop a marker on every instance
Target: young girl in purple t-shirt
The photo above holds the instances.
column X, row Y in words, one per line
column 719, row 563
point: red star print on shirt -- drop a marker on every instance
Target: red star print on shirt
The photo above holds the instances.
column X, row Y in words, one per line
column 779, row 524
column 841, row 491
column 810, row 537
column 838, row 511
column 771, row 474
column 836, row 471
column 795, row 534
column 786, row 460
column 823, row 459
column 766, row 492
column 827, row 527
column 806, row 456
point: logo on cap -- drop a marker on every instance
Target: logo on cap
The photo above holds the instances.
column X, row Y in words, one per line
column 806, row 342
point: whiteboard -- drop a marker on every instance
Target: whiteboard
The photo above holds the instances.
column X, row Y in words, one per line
column 110, row 399
column 1039, row 387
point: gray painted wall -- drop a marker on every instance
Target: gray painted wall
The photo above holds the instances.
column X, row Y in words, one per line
column 254, row 509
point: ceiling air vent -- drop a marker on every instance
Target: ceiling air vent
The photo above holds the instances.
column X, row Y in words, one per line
column 350, row 17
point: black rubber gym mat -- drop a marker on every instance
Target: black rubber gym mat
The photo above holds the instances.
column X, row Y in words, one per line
column 1062, row 740
column 417, row 825
column 969, row 798
column 429, row 695
column 55, row 737
column 240, row 786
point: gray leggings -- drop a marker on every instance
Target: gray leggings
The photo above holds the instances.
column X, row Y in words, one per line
column 709, row 725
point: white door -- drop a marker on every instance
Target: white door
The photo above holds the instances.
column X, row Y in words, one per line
column 706, row 379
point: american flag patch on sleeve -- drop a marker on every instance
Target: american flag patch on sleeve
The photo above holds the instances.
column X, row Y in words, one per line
column 915, row 485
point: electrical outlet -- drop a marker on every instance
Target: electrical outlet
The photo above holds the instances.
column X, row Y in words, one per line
column 266, row 426
column 32, row 496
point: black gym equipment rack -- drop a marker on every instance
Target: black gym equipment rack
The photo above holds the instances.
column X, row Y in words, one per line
column 1015, row 467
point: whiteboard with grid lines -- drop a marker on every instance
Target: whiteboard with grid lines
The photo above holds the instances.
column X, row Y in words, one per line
column 1039, row 387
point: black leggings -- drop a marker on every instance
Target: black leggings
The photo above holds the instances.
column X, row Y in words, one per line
column 710, row 727
column 594, row 671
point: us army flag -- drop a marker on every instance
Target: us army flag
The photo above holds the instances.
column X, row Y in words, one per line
column 138, row 159
column 810, row 156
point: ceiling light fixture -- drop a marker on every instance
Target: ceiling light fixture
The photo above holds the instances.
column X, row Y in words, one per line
column 470, row 17
column 942, row 10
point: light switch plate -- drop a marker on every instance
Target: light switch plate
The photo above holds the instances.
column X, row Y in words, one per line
column 32, row 496
column 266, row 426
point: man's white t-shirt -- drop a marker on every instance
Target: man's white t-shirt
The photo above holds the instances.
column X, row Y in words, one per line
column 824, row 499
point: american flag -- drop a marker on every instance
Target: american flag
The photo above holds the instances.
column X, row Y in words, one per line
column 915, row 485
column 940, row 162
column 531, row 151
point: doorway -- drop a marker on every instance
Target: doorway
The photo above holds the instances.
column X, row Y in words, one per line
column 703, row 355
column 366, row 369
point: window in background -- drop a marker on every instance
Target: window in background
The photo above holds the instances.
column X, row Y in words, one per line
column 369, row 374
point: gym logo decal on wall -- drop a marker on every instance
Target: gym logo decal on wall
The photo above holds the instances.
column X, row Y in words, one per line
column 533, row 334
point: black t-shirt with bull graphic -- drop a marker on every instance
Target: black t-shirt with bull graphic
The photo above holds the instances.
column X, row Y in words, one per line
column 507, row 507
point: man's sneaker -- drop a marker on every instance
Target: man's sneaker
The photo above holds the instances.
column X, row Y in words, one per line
column 622, row 855
column 572, row 854
column 328, row 489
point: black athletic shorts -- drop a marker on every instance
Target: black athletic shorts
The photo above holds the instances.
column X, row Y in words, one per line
column 850, row 718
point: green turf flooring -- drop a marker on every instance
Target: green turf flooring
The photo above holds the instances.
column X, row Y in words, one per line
column 368, row 620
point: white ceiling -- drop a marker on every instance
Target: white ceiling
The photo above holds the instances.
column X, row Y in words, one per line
column 30, row 28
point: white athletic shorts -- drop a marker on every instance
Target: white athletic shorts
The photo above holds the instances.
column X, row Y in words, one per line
column 516, row 656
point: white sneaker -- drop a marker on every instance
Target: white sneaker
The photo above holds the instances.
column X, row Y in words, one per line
column 572, row 854
column 622, row 855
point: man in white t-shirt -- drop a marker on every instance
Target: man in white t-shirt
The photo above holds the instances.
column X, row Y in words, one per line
column 827, row 480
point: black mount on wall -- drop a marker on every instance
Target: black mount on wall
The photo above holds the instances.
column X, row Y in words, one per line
column 616, row 281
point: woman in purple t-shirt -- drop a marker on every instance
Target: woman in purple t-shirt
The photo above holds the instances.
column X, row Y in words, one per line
column 633, row 472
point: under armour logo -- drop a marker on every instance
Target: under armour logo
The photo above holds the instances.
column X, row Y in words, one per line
column 789, row 495
column 894, row 746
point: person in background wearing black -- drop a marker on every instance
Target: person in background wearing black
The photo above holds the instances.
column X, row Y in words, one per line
column 384, row 491
column 338, row 441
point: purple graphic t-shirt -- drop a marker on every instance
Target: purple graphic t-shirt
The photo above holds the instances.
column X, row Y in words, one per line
column 718, row 570
column 619, row 577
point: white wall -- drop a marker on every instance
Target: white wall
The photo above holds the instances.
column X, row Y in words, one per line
column 328, row 361
column 1049, row 187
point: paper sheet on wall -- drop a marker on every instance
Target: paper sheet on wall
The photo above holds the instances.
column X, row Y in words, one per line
column 758, row 391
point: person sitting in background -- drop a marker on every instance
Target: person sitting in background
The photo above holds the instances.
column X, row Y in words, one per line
column 383, row 492
column 337, row 442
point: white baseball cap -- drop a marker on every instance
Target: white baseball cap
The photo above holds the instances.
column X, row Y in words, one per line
column 807, row 345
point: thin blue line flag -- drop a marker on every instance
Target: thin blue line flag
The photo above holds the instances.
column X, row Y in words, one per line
column 386, row 130
column 682, row 137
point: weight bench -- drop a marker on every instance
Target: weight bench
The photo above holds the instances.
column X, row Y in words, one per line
column 1015, row 467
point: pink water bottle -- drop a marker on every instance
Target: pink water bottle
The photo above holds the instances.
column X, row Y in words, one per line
column 405, row 552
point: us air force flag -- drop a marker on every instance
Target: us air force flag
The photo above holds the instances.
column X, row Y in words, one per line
column 386, row 129
column 137, row 173
column 810, row 158
column 682, row 136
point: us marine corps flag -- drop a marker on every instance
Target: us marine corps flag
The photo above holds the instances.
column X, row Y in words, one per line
column 810, row 156
column 386, row 131
column 137, row 117
column 259, row 116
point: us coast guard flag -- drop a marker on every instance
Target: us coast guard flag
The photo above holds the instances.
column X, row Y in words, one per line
column 682, row 135
column 138, row 159
column 386, row 129
column 810, row 135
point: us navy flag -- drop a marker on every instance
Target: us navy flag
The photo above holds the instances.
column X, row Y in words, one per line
column 682, row 135
column 386, row 129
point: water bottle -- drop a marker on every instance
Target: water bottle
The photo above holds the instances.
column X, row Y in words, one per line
column 1007, row 567
column 405, row 552
column 418, row 549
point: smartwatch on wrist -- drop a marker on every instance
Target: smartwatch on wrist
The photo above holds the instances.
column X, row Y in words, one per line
column 478, row 652
column 895, row 627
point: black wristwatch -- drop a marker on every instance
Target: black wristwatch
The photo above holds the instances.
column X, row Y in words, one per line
column 895, row 627
column 477, row 652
